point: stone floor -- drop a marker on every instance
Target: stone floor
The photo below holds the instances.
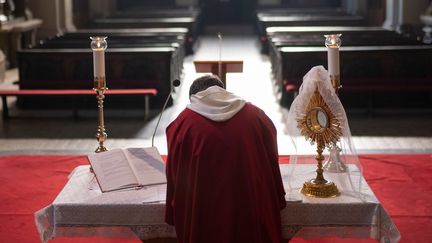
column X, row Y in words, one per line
column 56, row 132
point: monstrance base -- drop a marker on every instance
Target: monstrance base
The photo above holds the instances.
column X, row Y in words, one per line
column 322, row 190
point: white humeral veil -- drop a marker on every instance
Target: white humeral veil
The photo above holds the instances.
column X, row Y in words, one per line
column 216, row 103
column 350, row 182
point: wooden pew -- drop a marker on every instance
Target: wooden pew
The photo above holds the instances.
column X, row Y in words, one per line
column 145, row 50
column 353, row 35
column 143, row 22
column 75, row 93
column 113, row 41
column 312, row 20
column 72, row 68
column 153, row 12
column 303, row 36
column 279, row 36
column 285, row 11
column 120, row 36
column 127, row 34
column 190, row 23
column 306, row 19
column 376, row 72
column 130, row 32
column 118, row 40
column 171, row 16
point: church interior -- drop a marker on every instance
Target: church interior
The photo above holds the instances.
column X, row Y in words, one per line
column 56, row 110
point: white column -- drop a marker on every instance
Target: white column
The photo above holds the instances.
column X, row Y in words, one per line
column 67, row 10
column 392, row 14
column 403, row 12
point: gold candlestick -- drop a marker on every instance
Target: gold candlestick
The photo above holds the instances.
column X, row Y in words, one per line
column 98, row 45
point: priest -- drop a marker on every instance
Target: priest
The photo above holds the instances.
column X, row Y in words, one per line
column 224, row 183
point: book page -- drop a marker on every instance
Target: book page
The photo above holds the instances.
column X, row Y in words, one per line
column 112, row 170
column 147, row 165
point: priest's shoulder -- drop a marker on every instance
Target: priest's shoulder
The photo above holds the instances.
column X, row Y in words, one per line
column 262, row 116
column 254, row 108
column 184, row 115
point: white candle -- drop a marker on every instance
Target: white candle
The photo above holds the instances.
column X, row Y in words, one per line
column 333, row 42
column 98, row 45
column 99, row 63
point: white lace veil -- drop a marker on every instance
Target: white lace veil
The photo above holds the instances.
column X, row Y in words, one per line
column 350, row 182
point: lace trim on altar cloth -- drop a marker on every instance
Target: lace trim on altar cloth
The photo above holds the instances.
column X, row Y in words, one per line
column 384, row 235
column 352, row 232
column 48, row 230
column 382, row 229
column 123, row 232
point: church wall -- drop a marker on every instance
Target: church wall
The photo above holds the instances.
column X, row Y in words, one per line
column 49, row 12
column 57, row 16
column 268, row 2
column 196, row 2
column 411, row 10
column 186, row 2
column 372, row 10
column 19, row 11
column 101, row 8
column 81, row 13
column 375, row 12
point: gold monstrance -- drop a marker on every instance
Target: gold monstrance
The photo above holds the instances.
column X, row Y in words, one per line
column 98, row 45
column 320, row 126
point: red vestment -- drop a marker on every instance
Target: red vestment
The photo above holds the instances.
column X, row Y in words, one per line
column 224, row 182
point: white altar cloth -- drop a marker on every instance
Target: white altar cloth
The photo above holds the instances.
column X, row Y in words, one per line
column 81, row 209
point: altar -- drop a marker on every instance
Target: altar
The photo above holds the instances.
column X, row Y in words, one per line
column 81, row 209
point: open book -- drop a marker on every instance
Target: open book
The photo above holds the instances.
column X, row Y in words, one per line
column 125, row 168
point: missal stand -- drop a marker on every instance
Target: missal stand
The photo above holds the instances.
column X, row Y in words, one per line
column 220, row 68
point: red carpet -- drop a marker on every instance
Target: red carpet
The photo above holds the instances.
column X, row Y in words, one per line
column 403, row 184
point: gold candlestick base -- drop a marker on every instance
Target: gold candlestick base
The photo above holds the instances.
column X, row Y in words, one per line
column 325, row 189
column 101, row 137
column 101, row 148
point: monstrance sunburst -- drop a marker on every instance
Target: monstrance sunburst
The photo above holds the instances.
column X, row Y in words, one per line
column 319, row 125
